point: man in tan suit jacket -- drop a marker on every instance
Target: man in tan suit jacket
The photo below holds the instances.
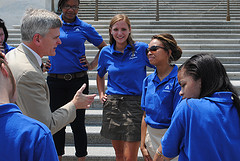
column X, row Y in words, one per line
column 40, row 32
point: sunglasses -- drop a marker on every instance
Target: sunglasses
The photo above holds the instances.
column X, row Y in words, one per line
column 67, row 7
column 155, row 48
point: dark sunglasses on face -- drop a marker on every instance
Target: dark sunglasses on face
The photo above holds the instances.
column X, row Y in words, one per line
column 155, row 48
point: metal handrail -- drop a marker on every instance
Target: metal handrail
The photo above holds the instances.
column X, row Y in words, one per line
column 228, row 11
column 96, row 11
column 157, row 10
column 52, row 5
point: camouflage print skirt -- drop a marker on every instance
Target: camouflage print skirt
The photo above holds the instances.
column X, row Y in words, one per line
column 122, row 117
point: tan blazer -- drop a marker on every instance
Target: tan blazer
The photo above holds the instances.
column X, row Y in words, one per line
column 33, row 93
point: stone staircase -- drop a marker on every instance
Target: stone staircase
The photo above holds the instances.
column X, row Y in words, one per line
column 198, row 27
column 168, row 9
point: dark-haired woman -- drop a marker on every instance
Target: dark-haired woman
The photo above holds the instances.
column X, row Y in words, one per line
column 68, row 71
column 160, row 92
column 206, row 124
column 4, row 47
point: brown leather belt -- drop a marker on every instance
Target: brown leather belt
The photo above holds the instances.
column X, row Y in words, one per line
column 69, row 76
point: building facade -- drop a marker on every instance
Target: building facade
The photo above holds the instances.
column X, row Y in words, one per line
column 11, row 11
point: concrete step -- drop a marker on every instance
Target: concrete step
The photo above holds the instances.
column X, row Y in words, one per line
column 93, row 134
column 184, row 26
column 96, row 153
column 152, row 10
column 165, row 26
column 162, row 4
column 184, row 31
column 167, row 22
column 103, row 12
column 223, row 18
column 197, row 26
column 94, row 117
column 216, row 52
column 144, row 14
column 162, row 22
column 163, row 18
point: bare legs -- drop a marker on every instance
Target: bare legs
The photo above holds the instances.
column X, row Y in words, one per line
column 60, row 158
column 81, row 159
column 126, row 151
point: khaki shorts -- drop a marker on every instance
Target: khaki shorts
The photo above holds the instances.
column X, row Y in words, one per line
column 122, row 117
column 153, row 139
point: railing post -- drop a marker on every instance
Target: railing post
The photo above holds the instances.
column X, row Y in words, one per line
column 228, row 11
column 52, row 6
column 96, row 11
column 157, row 10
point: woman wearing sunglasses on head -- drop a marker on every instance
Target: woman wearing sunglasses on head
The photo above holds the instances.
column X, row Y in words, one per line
column 206, row 123
column 160, row 92
column 4, row 47
column 125, row 61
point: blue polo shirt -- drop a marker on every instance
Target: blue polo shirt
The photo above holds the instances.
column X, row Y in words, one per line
column 7, row 48
column 126, row 71
column 73, row 36
column 206, row 129
column 160, row 98
column 23, row 138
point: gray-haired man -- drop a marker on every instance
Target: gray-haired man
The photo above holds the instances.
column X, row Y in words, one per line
column 40, row 36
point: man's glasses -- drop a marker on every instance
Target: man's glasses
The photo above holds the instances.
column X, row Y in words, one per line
column 67, row 7
column 155, row 48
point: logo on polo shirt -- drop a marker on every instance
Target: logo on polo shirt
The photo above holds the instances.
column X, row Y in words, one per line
column 133, row 56
column 76, row 29
column 168, row 87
